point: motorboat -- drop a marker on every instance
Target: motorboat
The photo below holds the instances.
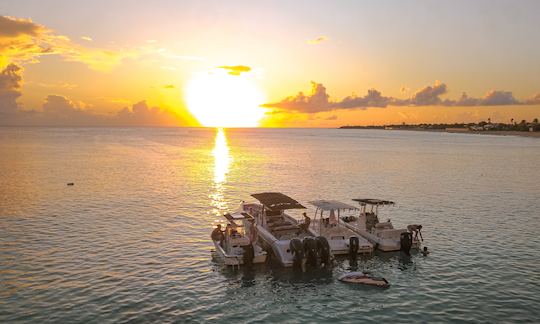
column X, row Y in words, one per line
column 382, row 234
column 276, row 229
column 237, row 246
column 342, row 240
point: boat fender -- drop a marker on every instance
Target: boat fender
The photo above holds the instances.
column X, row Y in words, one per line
column 324, row 250
column 405, row 242
column 354, row 245
column 249, row 254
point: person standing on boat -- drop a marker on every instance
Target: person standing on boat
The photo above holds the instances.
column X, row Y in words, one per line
column 217, row 234
column 416, row 230
column 305, row 225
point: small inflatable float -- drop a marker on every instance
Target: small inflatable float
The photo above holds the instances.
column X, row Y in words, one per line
column 363, row 279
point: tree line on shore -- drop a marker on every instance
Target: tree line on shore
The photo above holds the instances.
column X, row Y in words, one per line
column 522, row 126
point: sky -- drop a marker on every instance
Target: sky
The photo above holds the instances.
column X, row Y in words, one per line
column 268, row 63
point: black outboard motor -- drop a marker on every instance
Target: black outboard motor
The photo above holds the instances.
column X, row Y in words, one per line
column 405, row 242
column 249, row 254
column 297, row 250
column 354, row 245
column 323, row 248
column 310, row 250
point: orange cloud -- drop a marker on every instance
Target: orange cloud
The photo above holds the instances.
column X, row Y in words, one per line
column 236, row 69
column 59, row 110
column 23, row 41
column 317, row 40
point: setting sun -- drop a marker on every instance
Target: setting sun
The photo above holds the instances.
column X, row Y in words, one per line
column 219, row 99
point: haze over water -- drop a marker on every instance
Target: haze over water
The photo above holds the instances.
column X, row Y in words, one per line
column 130, row 240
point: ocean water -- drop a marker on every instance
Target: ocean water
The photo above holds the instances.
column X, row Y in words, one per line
column 129, row 242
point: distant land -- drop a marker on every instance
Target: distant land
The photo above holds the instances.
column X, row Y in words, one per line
column 523, row 128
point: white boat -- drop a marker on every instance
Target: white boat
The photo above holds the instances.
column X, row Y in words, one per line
column 276, row 228
column 340, row 237
column 382, row 234
column 236, row 247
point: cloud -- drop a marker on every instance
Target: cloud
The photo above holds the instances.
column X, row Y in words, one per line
column 372, row 99
column 58, row 110
column 11, row 27
column 333, row 117
column 534, row 100
column 87, row 38
column 316, row 101
column 498, row 98
column 10, row 89
column 317, row 40
column 169, row 86
column 428, row 96
column 236, row 69
column 319, row 100
column 23, row 41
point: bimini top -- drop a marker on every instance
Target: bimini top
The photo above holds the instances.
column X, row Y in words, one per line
column 331, row 205
column 237, row 216
column 376, row 202
column 276, row 201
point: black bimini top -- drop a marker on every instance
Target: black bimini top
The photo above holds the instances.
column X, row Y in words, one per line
column 375, row 202
column 276, row 201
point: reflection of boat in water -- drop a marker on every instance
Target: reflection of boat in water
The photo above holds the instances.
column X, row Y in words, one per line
column 364, row 279
column 276, row 228
column 236, row 247
column 382, row 234
column 342, row 239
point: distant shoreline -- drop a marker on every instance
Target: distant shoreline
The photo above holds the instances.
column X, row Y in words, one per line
column 461, row 131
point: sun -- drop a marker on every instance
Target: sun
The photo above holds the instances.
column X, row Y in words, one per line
column 218, row 99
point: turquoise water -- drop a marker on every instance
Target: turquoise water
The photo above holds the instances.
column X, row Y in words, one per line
column 130, row 240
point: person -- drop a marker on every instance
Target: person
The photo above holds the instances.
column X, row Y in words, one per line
column 416, row 230
column 217, row 234
column 425, row 252
column 253, row 234
column 305, row 225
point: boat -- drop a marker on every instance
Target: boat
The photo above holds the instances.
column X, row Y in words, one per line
column 342, row 239
column 364, row 279
column 236, row 247
column 276, row 228
column 382, row 234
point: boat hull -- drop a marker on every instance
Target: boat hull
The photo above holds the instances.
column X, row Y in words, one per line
column 238, row 259
column 382, row 244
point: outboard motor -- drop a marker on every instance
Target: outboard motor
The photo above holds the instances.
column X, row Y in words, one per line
column 323, row 248
column 297, row 250
column 310, row 250
column 405, row 242
column 249, row 254
column 354, row 245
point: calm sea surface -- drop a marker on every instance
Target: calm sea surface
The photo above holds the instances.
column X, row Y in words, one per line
column 129, row 242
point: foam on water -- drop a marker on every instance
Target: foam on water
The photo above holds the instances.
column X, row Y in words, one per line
column 130, row 240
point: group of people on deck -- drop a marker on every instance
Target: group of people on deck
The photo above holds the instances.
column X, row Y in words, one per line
column 230, row 231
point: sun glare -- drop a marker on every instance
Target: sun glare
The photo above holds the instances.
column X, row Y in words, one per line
column 219, row 99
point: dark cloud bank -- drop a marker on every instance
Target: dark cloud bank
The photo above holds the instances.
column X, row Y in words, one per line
column 319, row 100
column 60, row 111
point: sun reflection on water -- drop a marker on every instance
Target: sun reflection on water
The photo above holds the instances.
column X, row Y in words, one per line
column 222, row 161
